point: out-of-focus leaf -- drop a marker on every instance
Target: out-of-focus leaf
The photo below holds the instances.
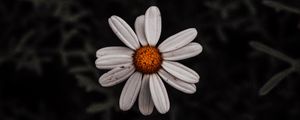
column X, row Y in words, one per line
column 67, row 35
column 86, row 82
column 79, row 69
column 66, row 54
column 76, row 17
column 224, row 10
column 263, row 48
column 279, row 76
column 280, row 6
column 297, row 66
column 89, row 48
column 64, row 57
column 221, row 33
column 24, row 40
column 31, row 61
column 99, row 107
column 36, row 65
column 274, row 81
column 77, row 53
column 250, row 6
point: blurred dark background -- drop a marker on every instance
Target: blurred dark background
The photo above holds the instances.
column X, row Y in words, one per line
column 47, row 54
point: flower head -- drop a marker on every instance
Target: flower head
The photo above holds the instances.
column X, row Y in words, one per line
column 145, row 65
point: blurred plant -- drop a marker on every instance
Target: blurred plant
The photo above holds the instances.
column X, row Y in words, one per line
column 295, row 66
column 279, row 6
column 274, row 81
column 24, row 56
column 222, row 11
column 31, row 49
column 28, row 48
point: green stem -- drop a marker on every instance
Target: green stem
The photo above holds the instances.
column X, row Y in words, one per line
column 263, row 48
column 275, row 80
column 280, row 6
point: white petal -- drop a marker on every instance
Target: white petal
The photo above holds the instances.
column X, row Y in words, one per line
column 152, row 25
column 178, row 40
column 112, row 57
column 145, row 100
column 190, row 50
column 124, row 32
column 185, row 87
column 113, row 61
column 159, row 94
column 116, row 76
column 114, row 50
column 180, row 71
column 140, row 29
column 130, row 91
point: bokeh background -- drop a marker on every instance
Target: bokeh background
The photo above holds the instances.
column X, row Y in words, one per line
column 47, row 54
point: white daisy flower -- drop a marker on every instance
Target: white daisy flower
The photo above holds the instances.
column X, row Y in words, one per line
column 145, row 65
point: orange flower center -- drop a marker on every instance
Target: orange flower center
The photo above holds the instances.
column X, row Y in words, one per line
column 147, row 59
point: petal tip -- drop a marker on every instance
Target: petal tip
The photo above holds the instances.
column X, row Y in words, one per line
column 193, row 31
column 100, row 81
column 140, row 17
column 146, row 113
column 124, row 108
column 193, row 90
column 153, row 8
column 200, row 48
column 195, row 79
column 164, row 111
column 113, row 16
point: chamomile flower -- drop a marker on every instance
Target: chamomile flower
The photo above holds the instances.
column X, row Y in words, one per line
column 145, row 65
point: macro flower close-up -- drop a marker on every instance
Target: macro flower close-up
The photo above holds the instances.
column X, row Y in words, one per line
column 144, row 65
column 149, row 60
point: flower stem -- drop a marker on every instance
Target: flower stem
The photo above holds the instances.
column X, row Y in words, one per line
column 263, row 48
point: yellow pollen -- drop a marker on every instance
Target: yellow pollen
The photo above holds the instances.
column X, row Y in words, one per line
column 147, row 59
